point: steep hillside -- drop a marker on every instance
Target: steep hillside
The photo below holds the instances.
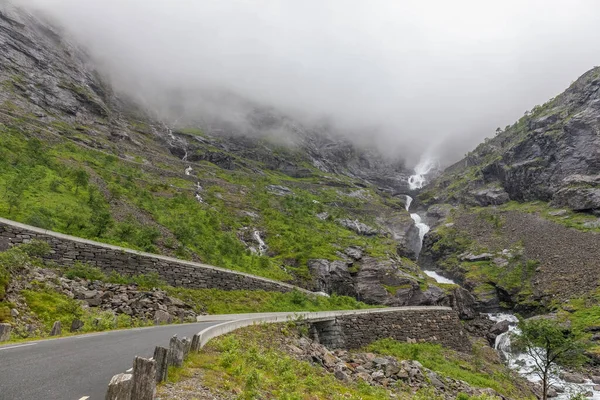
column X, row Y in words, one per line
column 80, row 158
column 516, row 221
column 550, row 154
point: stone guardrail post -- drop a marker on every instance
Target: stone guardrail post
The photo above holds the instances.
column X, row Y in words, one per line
column 176, row 352
column 161, row 356
column 144, row 379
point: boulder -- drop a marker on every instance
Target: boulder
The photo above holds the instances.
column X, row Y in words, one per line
column 491, row 197
column 5, row 330
column 358, row 227
column 476, row 257
column 572, row 377
column 162, row 317
column 500, row 327
column 341, row 375
column 76, row 325
column 14, row 312
column 578, row 198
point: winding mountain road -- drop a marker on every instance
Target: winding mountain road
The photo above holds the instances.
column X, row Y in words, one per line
column 79, row 367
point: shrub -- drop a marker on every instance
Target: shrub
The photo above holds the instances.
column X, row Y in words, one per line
column 85, row 271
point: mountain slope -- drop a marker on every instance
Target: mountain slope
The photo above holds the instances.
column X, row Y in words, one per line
column 78, row 157
column 516, row 221
column 551, row 154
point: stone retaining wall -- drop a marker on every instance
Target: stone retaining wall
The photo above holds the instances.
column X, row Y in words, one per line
column 66, row 250
column 435, row 325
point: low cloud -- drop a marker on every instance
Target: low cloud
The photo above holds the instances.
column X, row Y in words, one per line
column 408, row 77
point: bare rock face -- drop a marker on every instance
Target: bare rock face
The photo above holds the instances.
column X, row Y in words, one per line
column 358, row 227
column 463, row 302
column 551, row 154
column 382, row 282
column 490, row 196
column 332, row 277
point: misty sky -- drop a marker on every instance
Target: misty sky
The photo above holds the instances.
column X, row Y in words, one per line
column 409, row 76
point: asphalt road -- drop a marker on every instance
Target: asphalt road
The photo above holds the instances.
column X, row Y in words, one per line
column 77, row 367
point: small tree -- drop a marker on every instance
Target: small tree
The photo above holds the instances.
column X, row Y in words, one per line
column 549, row 345
column 81, row 178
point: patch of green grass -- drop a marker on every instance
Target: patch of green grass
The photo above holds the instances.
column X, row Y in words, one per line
column 50, row 306
column 250, row 364
column 13, row 261
column 215, row 301
column 568, row 218
column 448, row 363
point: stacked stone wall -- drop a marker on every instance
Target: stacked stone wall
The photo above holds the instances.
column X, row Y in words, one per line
column 66, row 250
column 434, row 325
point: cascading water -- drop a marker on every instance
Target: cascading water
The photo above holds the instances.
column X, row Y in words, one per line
column 417, row 181
column 524, row 363
column 262, row 246
column 421, row 226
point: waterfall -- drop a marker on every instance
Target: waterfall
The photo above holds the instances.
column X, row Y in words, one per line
column 421, row 226
column 417, row 180
column 262, row 246
column 188, row 170
column 409, row 201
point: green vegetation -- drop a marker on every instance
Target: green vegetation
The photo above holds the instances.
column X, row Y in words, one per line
column 50, row 306
column 479, row 370
column 13, row 261
column 254, row 363
column 216, row 301
column 250, row 364
column 549, row 344
column 58, row 185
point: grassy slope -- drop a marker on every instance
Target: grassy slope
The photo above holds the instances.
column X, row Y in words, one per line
column 252, row 364
column 58, row 185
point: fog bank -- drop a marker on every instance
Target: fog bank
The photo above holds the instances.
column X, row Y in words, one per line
column 408, row 77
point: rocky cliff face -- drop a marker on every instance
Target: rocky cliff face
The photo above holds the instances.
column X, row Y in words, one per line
column 551, row 154
column 95, row 164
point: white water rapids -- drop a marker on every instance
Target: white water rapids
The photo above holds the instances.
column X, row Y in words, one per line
column 522, row 363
